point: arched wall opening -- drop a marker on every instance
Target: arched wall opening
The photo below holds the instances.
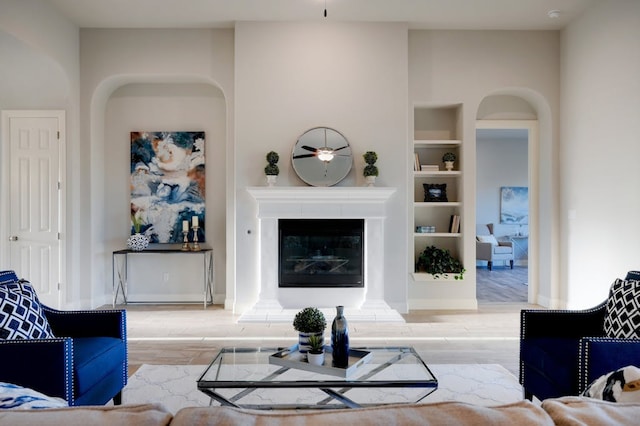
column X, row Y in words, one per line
column 124, row 104
column 518, row 108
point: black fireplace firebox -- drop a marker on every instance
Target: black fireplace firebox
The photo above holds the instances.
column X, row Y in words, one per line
column 321, row 252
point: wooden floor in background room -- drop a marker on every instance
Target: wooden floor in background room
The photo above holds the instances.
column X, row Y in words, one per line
column 502, row 284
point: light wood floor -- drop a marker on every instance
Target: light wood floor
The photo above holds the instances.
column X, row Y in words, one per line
column 189, row 334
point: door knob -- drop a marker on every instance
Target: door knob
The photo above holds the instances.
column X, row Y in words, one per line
column 13, row 238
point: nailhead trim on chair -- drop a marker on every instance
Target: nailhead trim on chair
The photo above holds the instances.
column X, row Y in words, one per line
column 523, row 326
column 69, row 390
column 123, row 329
column 584, row 358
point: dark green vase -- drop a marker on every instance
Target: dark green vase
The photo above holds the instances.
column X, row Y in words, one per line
column 340, row 339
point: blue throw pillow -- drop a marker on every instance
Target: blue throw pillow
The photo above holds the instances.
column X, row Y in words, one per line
column 8, row 277
column 21, row 315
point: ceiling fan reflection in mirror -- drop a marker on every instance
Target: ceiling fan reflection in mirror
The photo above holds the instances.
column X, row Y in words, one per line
column 322, row 157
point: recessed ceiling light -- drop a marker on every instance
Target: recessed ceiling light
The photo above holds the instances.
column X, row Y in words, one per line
column 555, row 13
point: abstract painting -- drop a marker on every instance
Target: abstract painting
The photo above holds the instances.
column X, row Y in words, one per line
column 167, row 185
column 514, row 205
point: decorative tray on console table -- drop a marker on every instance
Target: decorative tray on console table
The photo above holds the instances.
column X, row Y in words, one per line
column 293, row 358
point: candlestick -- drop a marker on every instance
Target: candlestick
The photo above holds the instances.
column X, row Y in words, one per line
column 194, row 221
column 185, row 240
column 185, row 226
column 195, row 246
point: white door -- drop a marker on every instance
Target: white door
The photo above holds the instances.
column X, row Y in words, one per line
column 35, row 152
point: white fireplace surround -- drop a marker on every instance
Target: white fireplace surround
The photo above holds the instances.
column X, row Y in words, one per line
column 277, row 304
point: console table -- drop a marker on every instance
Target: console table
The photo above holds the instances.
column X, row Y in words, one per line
column 521, row 244
column 120, row 270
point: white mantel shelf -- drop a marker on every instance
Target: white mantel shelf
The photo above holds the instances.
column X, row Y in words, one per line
column 321, row 194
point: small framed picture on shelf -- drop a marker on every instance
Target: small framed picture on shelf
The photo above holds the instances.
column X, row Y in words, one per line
column 435, row 192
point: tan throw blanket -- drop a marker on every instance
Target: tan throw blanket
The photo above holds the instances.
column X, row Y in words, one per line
column 521, row 413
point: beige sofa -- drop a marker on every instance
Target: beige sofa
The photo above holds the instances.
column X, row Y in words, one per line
column 567, row 411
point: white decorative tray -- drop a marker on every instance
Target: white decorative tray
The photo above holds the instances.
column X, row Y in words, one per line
column 293, row 358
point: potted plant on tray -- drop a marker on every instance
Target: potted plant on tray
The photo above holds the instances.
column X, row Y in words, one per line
column 315, row 355
column 309, row 321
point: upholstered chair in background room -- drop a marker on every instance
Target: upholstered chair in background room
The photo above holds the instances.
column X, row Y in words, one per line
column 490, row 249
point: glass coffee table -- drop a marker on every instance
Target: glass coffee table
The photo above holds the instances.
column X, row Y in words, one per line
column 243, row 377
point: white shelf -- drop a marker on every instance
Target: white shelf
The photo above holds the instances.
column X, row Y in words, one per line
column 430, row 204
column 454, row 173
column 433, row 143
column 424, row 277
column 436, row 131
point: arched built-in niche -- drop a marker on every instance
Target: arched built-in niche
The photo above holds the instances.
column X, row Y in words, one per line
column 166, row 106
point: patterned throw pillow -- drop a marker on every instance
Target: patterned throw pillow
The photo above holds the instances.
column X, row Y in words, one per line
column 622, row 385
column 622, row 319
column 14, row 396
column 8, row 277
column 21, row 315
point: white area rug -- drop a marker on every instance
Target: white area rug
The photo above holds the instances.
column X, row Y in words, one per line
column 174, row 386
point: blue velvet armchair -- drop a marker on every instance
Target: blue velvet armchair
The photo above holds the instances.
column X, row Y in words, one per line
column 85, row 364
column 563, row 351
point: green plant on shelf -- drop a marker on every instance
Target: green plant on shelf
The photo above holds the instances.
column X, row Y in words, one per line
column 440, row 263
column 449, row 156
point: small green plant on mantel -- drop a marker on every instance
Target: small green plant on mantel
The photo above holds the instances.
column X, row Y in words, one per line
column 439, row 262
column 272, row 168
column 370, row 157
column 316, row 343
column 309, row 320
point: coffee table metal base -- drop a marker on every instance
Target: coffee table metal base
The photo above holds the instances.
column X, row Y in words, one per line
column 244, row 378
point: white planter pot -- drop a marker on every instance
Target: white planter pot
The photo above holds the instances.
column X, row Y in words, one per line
column 371, row 180
column 271, row 180
column 315, row 359
column 448, row 165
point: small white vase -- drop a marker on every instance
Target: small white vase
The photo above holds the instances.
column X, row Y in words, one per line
column 448, row 165
column 371, row 180
column 138, row 242
column 271, row 180
column 315, row 359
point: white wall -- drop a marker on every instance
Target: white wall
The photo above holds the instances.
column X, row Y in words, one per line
column 354, row 77
column 499, row 163
column 465, row 67
column 167, row 66
column 291, row 77
column 600, row 150
column 35, row 31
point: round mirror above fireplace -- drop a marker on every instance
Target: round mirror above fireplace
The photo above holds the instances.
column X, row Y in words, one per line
column 322, row 157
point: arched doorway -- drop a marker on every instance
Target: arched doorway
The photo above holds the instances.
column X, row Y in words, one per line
column 507, row 127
